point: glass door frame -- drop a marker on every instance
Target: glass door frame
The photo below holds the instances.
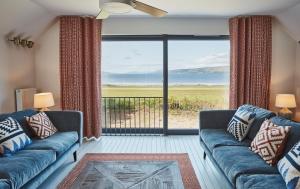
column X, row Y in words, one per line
column 165, row 39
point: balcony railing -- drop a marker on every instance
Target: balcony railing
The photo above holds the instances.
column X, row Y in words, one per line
column 132, row 115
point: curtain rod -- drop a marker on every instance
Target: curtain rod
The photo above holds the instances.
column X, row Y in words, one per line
column 83, row 16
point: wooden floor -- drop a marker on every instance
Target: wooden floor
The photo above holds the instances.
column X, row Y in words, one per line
column 138, row 144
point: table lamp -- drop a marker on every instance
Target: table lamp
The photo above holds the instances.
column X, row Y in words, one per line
column 43, row 101
column 285, row 101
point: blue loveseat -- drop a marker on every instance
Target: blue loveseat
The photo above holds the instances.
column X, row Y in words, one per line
column 29, row 167
column 230, row 163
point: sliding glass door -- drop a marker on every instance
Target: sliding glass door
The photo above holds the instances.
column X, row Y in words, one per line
column 158, row 84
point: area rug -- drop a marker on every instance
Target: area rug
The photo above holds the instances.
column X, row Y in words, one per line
column 134, row 171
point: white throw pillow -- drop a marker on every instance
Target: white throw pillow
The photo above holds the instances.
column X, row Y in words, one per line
column 289, row 167
column 241, row 122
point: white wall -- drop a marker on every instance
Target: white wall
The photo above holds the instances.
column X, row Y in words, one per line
column 154, row 26
column 297, row 81
column 16, row 71
column 47, row 62
column 17, row 68
column 283, row 63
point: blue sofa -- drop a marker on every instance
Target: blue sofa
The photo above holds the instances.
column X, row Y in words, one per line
column 29, row 167
column 230, row 163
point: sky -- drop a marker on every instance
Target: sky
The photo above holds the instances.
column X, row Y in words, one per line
column 147, row 56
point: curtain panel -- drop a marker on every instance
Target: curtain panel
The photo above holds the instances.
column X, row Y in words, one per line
column 80, row 43
column 250, row 60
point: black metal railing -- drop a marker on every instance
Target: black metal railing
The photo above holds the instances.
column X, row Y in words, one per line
column 132, row 115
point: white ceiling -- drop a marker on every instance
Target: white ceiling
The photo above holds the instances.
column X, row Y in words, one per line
column 23, row 18
column 207, row 8
column 33, row 16
column 291, row 20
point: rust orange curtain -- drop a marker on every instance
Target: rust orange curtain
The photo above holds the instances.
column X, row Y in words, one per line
column 250, row 60
column 80, row 40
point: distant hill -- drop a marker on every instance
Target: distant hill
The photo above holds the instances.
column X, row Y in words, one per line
column 206, row 75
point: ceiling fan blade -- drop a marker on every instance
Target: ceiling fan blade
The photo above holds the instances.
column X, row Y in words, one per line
column 148, row 9
column 103, row 14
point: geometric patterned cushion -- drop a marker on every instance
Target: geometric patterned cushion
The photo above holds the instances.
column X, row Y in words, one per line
column 41, row 125
column 270, row 141
column 12, row 137
column 240, row 123
column 289, row 167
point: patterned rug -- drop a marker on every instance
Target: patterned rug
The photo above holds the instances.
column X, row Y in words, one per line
column 134, row 171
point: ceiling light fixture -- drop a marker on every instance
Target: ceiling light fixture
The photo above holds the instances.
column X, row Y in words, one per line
column 108, row 8
column 117, row 7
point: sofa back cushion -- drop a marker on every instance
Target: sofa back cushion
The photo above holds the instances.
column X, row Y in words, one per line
column 294, row 134
column 260, row 116
column 20, row 116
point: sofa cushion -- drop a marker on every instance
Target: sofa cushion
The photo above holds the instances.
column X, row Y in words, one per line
column 24, row 165
column 20, row 117
column 237, row 160
column 220, row 137
column 60, row 142
column 294, row 134
column 260, row 116
column 12, row 137
column 270, row 141
column 289, row 167
column 260, row 181
column 41, row 125
column 241, row 122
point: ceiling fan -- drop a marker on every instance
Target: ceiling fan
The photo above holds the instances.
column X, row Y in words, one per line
column 109, row 7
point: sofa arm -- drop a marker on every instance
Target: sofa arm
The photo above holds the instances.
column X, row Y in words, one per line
column 67, row 121
column 215, row 119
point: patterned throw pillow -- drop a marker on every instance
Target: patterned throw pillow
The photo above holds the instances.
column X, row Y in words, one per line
column 289, row 167
column 12, row 137
column 269, row 142
column 41, row 125
column 241, row 122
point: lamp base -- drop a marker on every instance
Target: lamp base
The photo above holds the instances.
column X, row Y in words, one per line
column 286, row 113
column 44, row 109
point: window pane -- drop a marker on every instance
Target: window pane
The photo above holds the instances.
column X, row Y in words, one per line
column 198, row 80
column 132, row 78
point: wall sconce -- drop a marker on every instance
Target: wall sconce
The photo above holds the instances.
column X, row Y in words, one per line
column 22, row 42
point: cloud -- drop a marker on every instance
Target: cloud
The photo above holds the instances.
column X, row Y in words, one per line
column 213, row 60
column 136, row 52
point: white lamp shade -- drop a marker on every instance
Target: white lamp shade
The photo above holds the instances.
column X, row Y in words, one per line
column 285, row 101
column 43, row 100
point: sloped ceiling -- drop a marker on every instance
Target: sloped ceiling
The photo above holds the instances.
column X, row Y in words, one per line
column 23, row 17
column 31, row 17
column 187, row 8
column 291, row 20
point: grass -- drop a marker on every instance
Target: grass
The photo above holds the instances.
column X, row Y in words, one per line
column 181, row 97
column 184, row 103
